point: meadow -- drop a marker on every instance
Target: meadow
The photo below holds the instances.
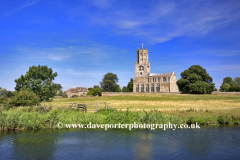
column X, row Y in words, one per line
column 140, row 108
column 180, row 104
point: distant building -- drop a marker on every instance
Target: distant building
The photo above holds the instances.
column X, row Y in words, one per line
column 145, row 81
column 79, row 91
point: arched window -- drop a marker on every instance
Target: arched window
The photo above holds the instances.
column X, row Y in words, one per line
column 152, row 88
column 158, row 88
column 137, row 88
column 141, row 68
column 147, row 88
column 164, row 79
column 142, row 88
column 158, row 79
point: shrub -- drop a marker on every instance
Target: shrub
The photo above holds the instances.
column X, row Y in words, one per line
column 190, row 120
column 24, row 98
column 96, row 90
column 3, row 99
column 3, row 92
column 64, row 96
column 221, row 120
column 200, row 120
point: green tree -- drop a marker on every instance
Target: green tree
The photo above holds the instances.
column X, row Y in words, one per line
column 225, row 87
column 237, row 87
column 59, row 86
column 9, row 94
column 109, row 83
column 130, row 85
column 125, row 89
column 196, row 80
column 96, row 90
column 3, row 92
column 24, row 98
column 228, row 80
column 38, row 79
column 236, row 80
column 60, row 93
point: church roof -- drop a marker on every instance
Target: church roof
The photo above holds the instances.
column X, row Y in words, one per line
column 160, row 74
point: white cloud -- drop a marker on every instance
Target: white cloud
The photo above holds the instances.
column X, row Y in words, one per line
column 163, row 21
column 89, row 53
column 228, row 67
column 22, row 6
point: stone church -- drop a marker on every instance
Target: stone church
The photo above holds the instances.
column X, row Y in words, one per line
column 145, row 81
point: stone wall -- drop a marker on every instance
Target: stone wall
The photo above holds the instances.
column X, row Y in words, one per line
column 227, row 93
column 131, row 93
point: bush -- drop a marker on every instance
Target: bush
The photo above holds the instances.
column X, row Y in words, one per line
column 221, row 120
column 3, row 92
column 200, row 120
column 64, row 96
column 96, row 90
column 24, row 98
column 3, row 99
column 190, row 120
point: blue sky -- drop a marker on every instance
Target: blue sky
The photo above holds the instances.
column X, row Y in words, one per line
column 82, row 40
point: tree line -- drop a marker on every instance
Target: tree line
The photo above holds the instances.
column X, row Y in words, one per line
column 109, row 84
column 37, row 85
column 230, row 85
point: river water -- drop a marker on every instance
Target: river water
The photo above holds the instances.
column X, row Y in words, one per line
column 217, row 142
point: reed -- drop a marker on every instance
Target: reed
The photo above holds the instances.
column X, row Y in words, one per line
column 34, row 119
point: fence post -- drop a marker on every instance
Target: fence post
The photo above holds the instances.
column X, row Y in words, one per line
column 105, row 106
column 72, row 105
column 85, row 108
column 96, row 106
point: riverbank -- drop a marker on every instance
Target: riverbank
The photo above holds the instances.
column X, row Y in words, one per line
column 32, row 118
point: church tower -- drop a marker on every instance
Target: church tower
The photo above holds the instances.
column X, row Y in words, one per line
column 142, row 66
column 145, row 81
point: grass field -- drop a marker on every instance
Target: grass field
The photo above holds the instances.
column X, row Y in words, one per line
column 149, row 108
column 180, row 104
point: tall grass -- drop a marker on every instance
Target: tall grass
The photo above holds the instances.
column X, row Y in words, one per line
column 34, row 119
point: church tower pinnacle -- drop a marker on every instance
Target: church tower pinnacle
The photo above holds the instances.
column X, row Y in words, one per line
column 142, row 66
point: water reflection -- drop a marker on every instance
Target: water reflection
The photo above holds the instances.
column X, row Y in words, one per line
column 205, row 143
column 143, row 148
